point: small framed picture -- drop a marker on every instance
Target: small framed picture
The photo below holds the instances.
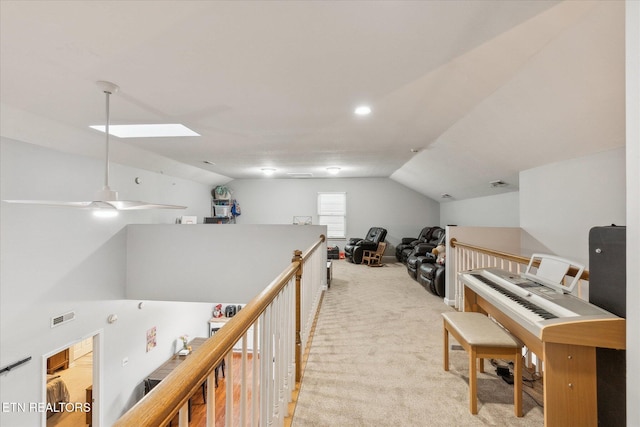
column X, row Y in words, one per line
column 302, row 220
column 151, row 339
column 189, row 220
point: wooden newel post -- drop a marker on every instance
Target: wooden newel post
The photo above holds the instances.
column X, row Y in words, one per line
column 297, row 257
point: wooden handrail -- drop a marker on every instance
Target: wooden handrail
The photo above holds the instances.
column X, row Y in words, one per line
column 509, row 257
column 165, row 400
column 306, row 254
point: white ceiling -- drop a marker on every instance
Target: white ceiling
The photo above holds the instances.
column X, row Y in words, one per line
column 484, row 89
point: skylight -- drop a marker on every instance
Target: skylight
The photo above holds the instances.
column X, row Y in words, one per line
column 147, row 131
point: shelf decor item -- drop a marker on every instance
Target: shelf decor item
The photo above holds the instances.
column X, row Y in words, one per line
column 221, row 192
column 301, row 220
column 185, row 341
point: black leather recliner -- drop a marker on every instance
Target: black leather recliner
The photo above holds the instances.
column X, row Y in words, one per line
column 410, row 242
column 415, row 260
column 355, row 246
column 429, row 241
column 422, row 252
column 431, row 276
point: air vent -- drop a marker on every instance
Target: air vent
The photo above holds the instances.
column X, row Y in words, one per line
column 63, row 318
column 300, row 175
column 498, row 183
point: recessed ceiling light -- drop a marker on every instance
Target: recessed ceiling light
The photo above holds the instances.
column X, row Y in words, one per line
column 268, row 171
column 148, row 131
column 445, row 196
column 363, row 110
column 334, row 170
column 415, row 150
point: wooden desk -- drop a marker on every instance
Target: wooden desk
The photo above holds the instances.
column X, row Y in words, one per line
column 165, row 369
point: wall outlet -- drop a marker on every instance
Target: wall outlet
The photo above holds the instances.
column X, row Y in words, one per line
column 125, row 361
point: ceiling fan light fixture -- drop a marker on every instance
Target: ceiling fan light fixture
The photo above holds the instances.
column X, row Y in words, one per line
column 333, row 170
column 105, row 213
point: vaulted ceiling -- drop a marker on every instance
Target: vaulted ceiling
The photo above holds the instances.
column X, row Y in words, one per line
column 461, row 92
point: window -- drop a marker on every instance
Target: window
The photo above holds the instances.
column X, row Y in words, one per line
column 332, row 212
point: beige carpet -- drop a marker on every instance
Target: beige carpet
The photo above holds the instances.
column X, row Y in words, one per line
column 376, row 360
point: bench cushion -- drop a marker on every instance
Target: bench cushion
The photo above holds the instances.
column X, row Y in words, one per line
column 479, row 330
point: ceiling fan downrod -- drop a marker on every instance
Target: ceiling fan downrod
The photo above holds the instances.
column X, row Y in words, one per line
column 106, row 193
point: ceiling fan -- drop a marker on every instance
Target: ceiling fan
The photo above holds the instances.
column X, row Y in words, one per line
column 106, row 202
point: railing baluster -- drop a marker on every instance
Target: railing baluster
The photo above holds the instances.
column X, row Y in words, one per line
column 264, row 368
column 228, row 414
column 183, row 415
column 211, row 399
column 243, row 382
column 277, row 355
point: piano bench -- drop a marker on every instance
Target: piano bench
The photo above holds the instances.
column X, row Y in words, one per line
column 482, row 338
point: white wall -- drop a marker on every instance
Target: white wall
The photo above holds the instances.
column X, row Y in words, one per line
column 501, row 210
column 373, row 202
column 55, row 260
column 560, row 202
column 210, row 262
column 633, row 208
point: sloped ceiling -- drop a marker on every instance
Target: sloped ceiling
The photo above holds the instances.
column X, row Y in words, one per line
column 462, row 92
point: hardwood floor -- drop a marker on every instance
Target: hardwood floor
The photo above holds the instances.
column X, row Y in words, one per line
column 198, row 407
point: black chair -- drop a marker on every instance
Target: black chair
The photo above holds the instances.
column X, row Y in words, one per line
column 417, row 258
column 435, row 237
column 149, row 384
column 356, row 246
column 220, row 366
column 408, row 243
column 422, row 252
column 431, row 276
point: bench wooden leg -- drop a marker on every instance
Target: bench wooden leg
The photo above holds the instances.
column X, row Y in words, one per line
column 517, row 383
column 473, row 381
column 446, row 347
column 476, row 363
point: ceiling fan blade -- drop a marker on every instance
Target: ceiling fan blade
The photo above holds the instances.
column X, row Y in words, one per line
column 129, row 205
column 58, row 203
column 121, row 205
column 108, row 199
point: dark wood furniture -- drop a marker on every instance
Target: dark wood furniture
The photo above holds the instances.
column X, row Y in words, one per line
column 89, row 400
column 165, row 369
column 57, row 361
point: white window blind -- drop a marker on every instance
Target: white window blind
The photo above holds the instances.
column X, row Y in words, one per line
column 332, row 212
